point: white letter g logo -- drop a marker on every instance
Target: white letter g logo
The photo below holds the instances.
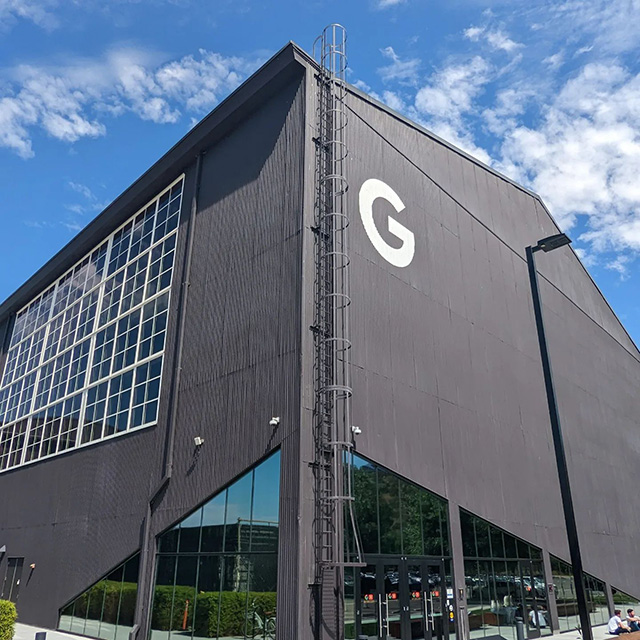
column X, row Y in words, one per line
column 370, row 191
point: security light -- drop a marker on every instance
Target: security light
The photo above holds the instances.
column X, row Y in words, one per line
column 274, row 422
column 553, row 242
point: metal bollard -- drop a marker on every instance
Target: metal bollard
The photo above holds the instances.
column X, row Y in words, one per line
column 41, row 635
column 520, row 629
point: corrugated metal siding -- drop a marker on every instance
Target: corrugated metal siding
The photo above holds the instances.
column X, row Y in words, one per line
column 240, row 361
column 448, row 384
column 78, row 515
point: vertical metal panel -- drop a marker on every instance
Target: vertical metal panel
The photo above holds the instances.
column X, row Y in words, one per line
column 78, row 515
column 240, row 360
column 456, row 327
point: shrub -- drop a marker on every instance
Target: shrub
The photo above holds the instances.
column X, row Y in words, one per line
column 8, row 616
column 230, row 607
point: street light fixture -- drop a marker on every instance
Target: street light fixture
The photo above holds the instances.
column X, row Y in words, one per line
column 546, row 245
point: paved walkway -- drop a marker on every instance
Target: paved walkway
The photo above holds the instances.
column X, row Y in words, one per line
column 27, row 632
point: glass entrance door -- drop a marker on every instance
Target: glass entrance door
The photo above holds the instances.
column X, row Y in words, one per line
column 401, row 599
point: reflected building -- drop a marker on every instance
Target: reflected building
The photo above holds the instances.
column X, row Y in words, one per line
column 159, row 385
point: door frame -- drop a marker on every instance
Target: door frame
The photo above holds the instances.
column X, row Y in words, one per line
column 403, row 562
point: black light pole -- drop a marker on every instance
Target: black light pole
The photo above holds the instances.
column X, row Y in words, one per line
column 546, row 245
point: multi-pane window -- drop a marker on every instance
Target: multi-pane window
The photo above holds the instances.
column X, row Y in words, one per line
column 216, row 569
column 567, row 601
column 85, row 357
column 505, row 580
column 106, row 609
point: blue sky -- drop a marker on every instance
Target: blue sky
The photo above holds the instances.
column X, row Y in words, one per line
column 93, row 92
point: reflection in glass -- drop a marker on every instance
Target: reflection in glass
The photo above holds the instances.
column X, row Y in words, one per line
column 238, row 515
column 389, row 506
column 107, row 608
column 221, row 583
column 396, row 516
column 501, row 587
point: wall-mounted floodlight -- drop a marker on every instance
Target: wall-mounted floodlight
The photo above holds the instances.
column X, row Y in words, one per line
column 552, row 242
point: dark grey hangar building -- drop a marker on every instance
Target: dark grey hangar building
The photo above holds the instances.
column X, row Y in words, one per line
column 189, row 449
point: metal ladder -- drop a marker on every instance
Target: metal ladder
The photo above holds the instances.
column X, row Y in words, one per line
column 332, row 380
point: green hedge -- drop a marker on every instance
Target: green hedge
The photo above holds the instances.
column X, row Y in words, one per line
column 107, row 593
column 8, row 616
column 234, row 607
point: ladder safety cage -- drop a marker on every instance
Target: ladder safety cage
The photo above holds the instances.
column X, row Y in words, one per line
column 334, row 508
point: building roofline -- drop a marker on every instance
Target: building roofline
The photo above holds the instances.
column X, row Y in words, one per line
column 414, row 125
column 276, row 72
column 266, row 81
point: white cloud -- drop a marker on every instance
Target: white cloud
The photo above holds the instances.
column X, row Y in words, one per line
column 510, row 105
column 82, row 189
column 36, row 11
column 385, row 4
column 555, row 61
column 499, row 40
column 473, row 33
column 584, row 157
column 72, row 101
column 621, row 265
column 448, row 97
column 393, row 100
column 403, row 71
column 496, row 38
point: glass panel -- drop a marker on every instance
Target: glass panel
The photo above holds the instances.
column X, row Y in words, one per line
column 206, row 608
column 238, row 515
column 127, row 605
column 468, row 534
column 504, row 599
column 497, row 543
column 213, row 523
column 389, row 505
column 510, row 546
column 410, row 499
column 184, row 595
column 66, row 616
column 482, row 538
column 473, row 583
column 261, row 610
column 169, row 540
column 365, row 490
column 162, row 612
column 106, row 609
column 392, row 598
column 234, row 601
column 350, row 603
column 190, row 532
column 542, row 621
column 415, row 582
column 266, row 501
column 431, row 524
column 523, row 549
column 491, row 619
column 599, row 609
column 112, row 602
column 369, row 602
column 95, row 604
column 565, row 594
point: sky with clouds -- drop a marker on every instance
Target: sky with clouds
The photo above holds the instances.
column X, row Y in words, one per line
column 92, row 93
